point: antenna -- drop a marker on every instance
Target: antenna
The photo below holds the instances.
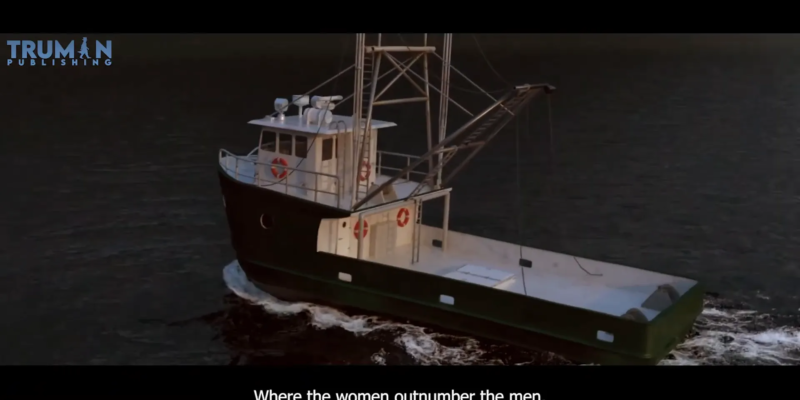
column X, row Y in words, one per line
column 300, row 101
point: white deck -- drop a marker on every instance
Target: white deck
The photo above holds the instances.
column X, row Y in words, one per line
column 245, row 172
column 602, row 287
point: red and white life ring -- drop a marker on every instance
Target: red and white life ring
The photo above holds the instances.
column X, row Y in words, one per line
column 357, row 230
column 403, row 216
column 366, row 169
column 282, row 164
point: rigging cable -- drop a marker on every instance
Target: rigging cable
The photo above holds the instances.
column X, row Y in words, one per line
column 552, row 168
column 489, row 63
column 550, row 125
column 519, row 205
column 552, row 153
column 454, row 69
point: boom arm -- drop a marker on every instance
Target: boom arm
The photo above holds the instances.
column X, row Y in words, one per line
column 499, row 114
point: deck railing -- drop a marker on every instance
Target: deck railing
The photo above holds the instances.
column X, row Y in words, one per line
column 240, row 173
column 406, row 159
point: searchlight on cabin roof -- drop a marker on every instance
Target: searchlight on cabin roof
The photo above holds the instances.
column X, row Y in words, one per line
column 325, row 102
column 281, row 106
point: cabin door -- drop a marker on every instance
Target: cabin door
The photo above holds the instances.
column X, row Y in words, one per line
column 343, row 237
column 328, row 167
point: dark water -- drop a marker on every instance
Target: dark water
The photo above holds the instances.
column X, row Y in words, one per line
column 114, row 238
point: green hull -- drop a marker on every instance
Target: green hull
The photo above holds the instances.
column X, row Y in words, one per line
column 507, row 321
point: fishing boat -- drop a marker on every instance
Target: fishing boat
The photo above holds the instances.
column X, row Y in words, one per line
column 319, row 212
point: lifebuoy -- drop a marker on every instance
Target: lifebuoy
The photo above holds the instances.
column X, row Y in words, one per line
column 357, row 230
column 403, row 216
column 282, row 164
column 366, row 169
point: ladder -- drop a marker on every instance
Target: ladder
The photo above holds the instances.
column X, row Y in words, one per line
column 365, row 166
column 371, row 67
column 481, row 135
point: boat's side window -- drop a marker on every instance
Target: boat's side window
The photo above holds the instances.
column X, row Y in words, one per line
column 285, row 144
column 300, row 146
column 268, row 141
column 327, row 149
column 266, row 221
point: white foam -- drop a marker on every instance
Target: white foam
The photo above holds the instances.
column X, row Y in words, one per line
column 730, row 337
column 721, row 337
column 420, row 343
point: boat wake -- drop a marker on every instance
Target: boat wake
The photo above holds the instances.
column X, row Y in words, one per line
column 723, row 335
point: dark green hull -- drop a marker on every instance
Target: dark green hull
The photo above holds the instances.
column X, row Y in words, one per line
column 284, row 262
column 288, row 285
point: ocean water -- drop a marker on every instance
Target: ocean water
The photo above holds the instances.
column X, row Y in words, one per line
column 115, row 248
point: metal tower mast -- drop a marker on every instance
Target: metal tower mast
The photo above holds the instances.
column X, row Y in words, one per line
column 366, row 95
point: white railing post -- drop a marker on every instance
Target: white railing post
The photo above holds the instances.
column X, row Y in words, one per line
column 360, row 226
column 446, row 222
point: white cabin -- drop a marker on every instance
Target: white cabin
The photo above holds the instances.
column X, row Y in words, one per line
column 318, row 157
column 301, row 157
column 315, row 159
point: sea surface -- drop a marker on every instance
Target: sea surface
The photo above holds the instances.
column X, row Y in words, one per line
column 114, row 248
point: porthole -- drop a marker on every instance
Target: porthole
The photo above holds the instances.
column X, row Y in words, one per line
column 266, row 221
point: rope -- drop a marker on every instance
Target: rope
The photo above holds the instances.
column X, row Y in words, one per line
column 481, row 91
column 551, row 146
column 519, row 205
column 489, row 63
column 550, row 125
column 552, row 167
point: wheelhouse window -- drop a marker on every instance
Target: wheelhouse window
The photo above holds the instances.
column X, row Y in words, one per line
column 300, row 146
column 268, row 141
column 285, row 144
column 327, row 149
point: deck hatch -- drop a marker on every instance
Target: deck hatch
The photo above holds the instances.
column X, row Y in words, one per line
column 484, row 276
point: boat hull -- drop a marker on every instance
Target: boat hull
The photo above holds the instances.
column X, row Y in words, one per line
column 282, row 260
column 289, row 286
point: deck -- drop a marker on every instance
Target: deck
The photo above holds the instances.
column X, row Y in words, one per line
column 578, row 282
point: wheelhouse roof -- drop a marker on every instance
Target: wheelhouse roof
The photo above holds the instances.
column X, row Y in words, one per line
column 297, row 124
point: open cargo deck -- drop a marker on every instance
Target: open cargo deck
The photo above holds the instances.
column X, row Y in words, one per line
column 573, row 281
